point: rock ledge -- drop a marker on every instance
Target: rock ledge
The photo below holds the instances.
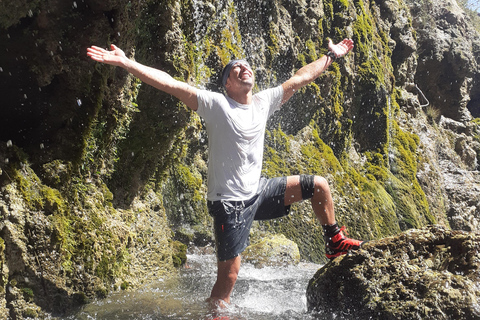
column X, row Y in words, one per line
column 428, row 273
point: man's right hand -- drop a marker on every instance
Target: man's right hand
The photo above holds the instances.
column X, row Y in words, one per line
column 116, row 57
column 154, row 77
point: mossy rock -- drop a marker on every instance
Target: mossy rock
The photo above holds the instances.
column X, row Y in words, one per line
column 275, row 250
column 179, row 255
column 2, row 247
column 81, row 298
column 27, row 294
column 428, row 273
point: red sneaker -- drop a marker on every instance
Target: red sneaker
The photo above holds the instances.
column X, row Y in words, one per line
column 339, row 245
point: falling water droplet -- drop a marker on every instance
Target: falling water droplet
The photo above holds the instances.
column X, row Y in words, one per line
column 42, row 146
column 79, row 102
column 9, row 143
column 75, row 4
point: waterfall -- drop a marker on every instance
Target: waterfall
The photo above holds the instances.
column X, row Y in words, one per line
column 391, row 133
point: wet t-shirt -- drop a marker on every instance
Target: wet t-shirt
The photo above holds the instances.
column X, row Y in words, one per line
column 236, row 134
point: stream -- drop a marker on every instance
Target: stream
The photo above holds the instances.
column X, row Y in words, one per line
column 260, row 293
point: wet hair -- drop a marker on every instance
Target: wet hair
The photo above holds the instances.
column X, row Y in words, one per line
column 228, row 68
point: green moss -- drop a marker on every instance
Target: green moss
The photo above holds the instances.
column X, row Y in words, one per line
column 476, row 122
column 231, row 39
column 311, row 50
column 276, row 149
column 101, row 293
column 371, row 73
column 63, row 236
column 340, row 5
column 125, row 285
column 273, row 46
column 179, row 256
column 412, row 202
column 27, row 294
column 30, row 313
column 301, row 60
column 28, row 184
column 76, row 237
column 329, row 15
column 308, row 54
column 2, row 248
column 319, row 157
column 189, row 183
column 81, row 298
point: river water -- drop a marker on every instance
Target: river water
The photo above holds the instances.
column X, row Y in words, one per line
column 260, row 293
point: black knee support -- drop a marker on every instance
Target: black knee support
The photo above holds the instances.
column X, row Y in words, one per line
column 307, row 186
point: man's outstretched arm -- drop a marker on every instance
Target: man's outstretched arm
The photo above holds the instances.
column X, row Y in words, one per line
column 313, row 70
column 154, row 77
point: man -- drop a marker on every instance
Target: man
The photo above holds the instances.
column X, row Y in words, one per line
column 235, row 124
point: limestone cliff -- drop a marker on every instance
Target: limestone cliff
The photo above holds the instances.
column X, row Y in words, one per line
column 101, row 176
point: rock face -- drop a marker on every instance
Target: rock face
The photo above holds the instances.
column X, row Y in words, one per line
column 450, row 48
column 100, row 175
column 428, row 273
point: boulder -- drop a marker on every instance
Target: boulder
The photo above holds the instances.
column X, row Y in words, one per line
column 428, row 273
column 274, row 250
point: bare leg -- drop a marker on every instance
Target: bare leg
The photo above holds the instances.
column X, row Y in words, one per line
column 322, row 202
column 227, row 273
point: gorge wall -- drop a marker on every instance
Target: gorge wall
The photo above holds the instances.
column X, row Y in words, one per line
column 103, row 178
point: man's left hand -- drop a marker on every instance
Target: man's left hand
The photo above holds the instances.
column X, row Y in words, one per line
column 342, row 48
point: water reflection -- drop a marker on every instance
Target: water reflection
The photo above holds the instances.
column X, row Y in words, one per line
column 267, row 293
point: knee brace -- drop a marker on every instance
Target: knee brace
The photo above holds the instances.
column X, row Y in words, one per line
column 307, row 185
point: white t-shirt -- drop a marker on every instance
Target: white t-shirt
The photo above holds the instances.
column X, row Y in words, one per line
column 236, row 134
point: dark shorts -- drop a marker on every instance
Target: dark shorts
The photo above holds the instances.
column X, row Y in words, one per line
column 233, row 219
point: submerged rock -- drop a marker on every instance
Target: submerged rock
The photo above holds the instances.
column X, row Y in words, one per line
column 275, row 250
column 429, row 273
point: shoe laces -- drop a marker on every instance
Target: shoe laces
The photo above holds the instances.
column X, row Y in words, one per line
column 339, row 237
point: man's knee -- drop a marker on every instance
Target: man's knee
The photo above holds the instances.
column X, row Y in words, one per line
column 311, row 184
column 321, row 184
column 307, row 186
column 228, row 270
column 232, row 277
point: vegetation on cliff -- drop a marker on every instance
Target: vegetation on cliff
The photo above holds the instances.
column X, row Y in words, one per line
column 103, row 179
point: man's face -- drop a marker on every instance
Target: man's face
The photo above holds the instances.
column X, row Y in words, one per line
column 241, row 75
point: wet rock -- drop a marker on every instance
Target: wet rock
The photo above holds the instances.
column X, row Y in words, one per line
column 429, row 273
column 275, row 250
column 447, row 64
